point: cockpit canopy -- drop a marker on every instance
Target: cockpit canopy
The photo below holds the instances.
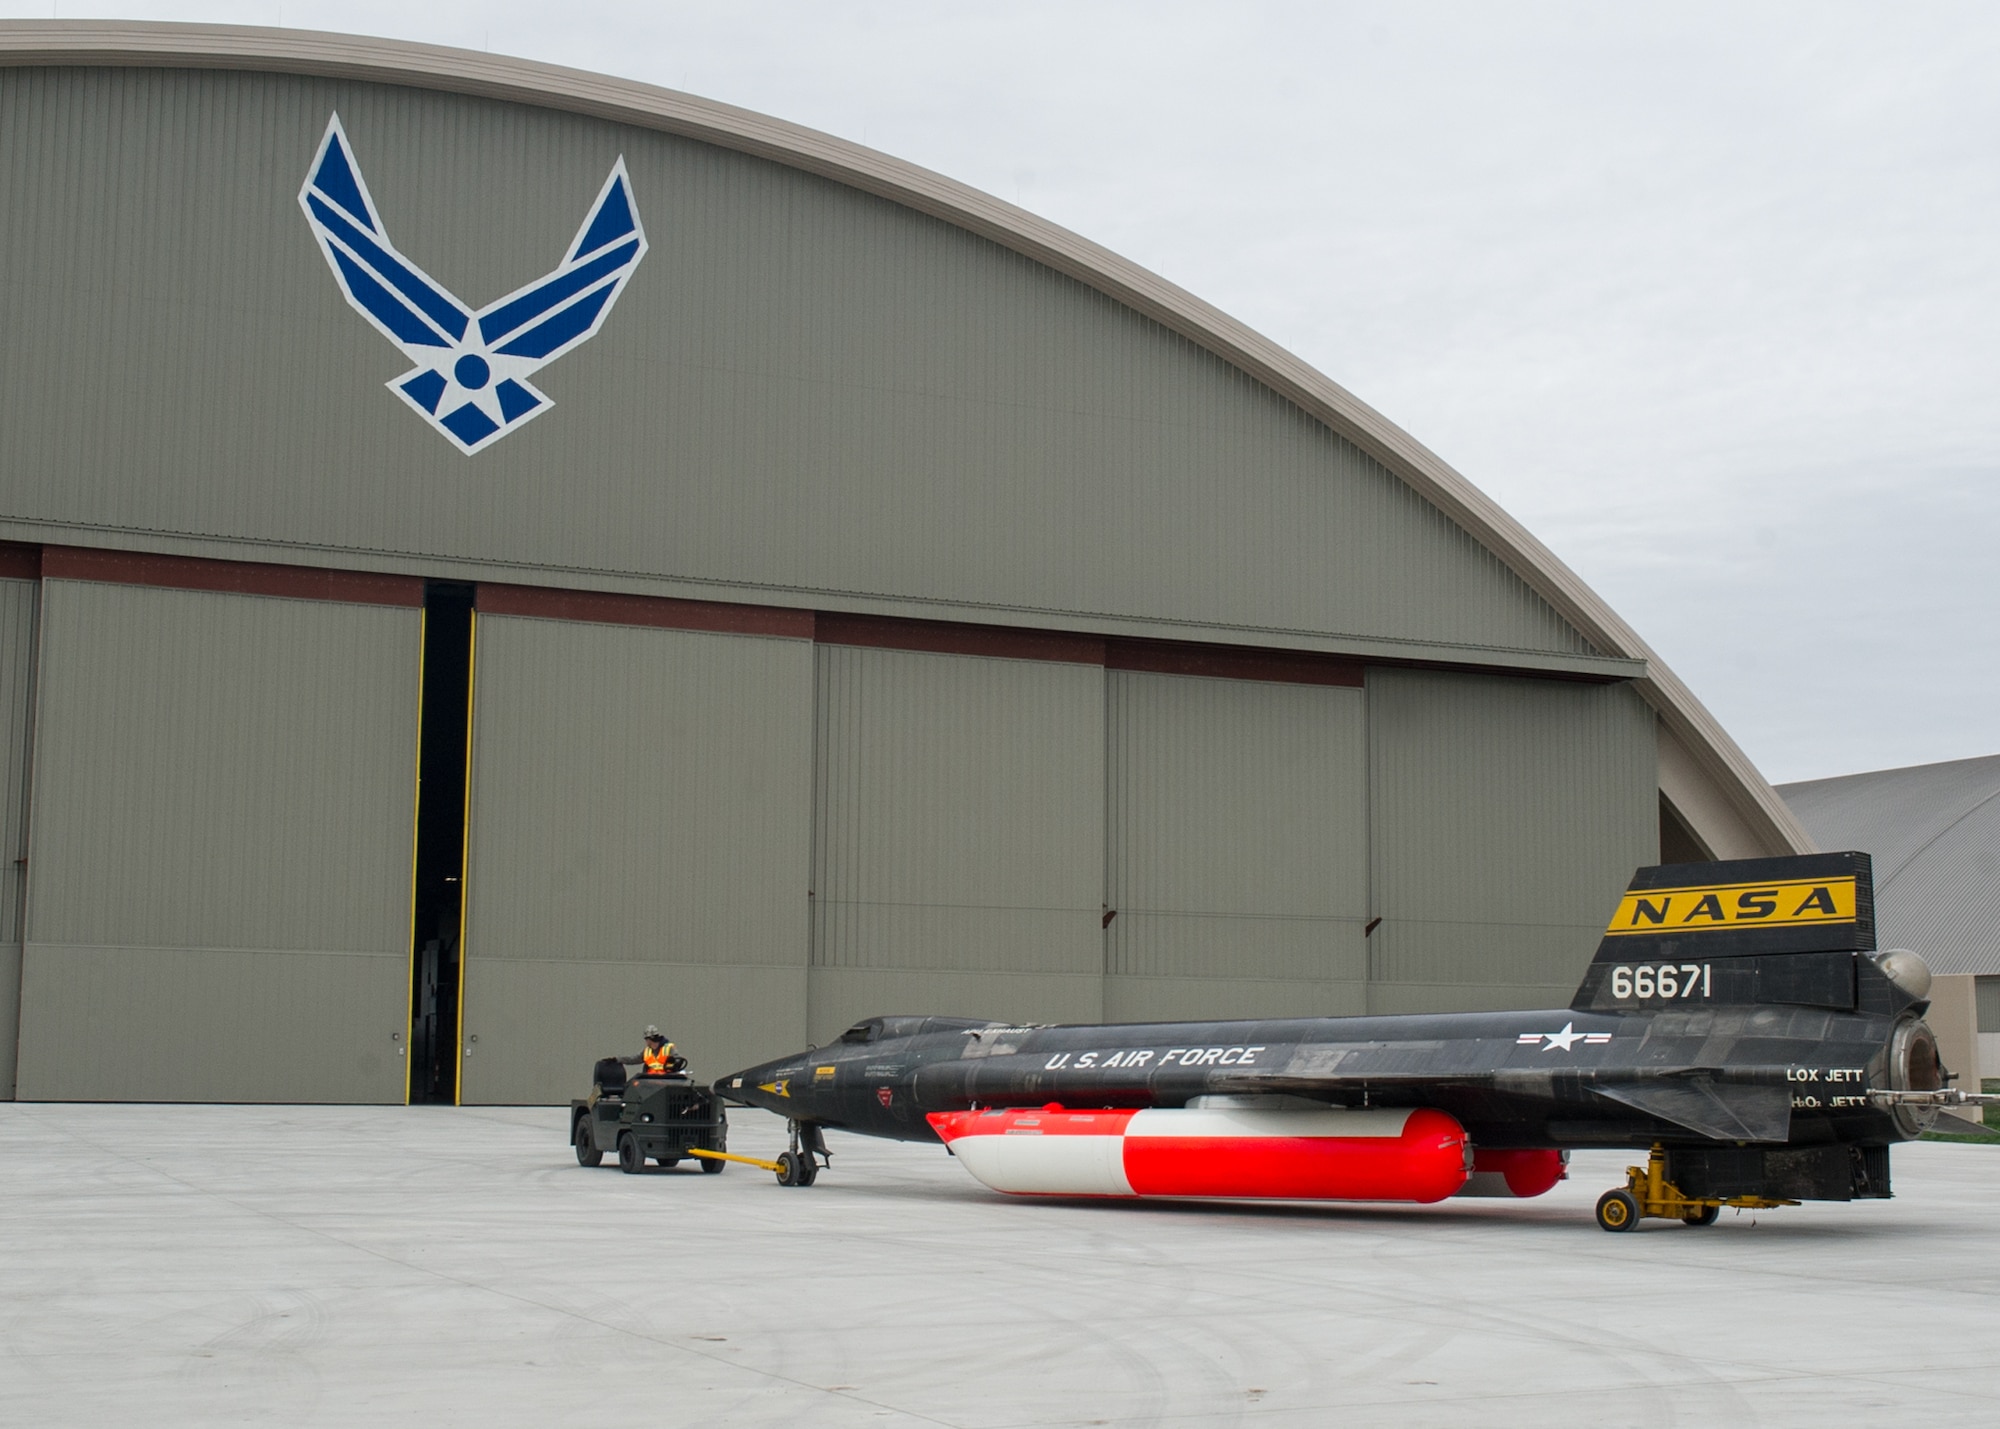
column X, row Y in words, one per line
column 882, row 1029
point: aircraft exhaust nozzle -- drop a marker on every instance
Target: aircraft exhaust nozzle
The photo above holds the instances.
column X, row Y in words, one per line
column 1916, row 1075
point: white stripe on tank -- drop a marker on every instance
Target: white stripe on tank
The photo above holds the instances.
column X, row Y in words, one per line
column 1047, row 1165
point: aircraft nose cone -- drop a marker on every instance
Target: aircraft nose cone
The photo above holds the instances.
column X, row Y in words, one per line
column 773, row 1086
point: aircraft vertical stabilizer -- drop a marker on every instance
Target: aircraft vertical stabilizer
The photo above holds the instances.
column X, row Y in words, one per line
column 1746, row 931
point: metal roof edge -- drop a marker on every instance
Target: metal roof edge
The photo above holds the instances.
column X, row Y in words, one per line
column 1827, row 781
column 161, row 45
column 1480, row 659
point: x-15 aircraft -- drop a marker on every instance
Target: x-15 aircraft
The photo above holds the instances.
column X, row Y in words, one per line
column 1736, row 1024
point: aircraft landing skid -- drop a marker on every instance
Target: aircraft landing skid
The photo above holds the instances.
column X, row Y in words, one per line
column 1649, row 1195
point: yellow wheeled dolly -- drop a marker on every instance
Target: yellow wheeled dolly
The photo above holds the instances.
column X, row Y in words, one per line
column 1649, row 1194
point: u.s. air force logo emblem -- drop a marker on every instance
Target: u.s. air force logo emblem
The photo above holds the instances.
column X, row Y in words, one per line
column 471, row 378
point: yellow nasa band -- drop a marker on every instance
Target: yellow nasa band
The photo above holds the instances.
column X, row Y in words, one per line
column 1788, row 904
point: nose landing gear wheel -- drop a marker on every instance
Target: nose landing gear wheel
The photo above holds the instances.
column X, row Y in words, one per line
column 1617, row 1211
column 796, row 1169
column 587, row 1153
column 631, row 1160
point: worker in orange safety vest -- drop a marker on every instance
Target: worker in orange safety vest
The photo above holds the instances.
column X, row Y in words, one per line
column 657, row 1058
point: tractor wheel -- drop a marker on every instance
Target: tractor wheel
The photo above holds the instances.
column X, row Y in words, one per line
column 711, row 1167
column 587, row 1153
column 1703, row 1217
column 631, row 1160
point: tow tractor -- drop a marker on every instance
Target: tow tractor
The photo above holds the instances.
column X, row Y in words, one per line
column 671, row 1118
column 654, row 1118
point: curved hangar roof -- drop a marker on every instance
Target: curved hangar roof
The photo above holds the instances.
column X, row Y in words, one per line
column 1934, row 830
column 1098, row 496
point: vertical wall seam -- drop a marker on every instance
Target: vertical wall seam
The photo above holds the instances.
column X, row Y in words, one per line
column 30, row 710
column 815, row 804
column 1368, row 840
column 1109, row 840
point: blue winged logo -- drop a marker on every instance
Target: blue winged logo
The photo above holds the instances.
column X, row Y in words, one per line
column 472, row 368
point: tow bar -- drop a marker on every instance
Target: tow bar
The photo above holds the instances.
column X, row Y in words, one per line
column 732, row 1156
column 796, row 1167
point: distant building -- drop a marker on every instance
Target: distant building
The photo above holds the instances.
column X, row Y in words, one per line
column 1934, row 832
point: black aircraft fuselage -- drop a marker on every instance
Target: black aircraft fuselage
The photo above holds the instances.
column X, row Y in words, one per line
column 1512, row 1079
column 1752, row 1047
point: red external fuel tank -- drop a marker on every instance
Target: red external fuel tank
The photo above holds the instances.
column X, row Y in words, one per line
column 1318, row 1154
column 1504, row 1171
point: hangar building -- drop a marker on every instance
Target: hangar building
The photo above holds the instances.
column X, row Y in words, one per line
column 789, row 587
column 1934, row 830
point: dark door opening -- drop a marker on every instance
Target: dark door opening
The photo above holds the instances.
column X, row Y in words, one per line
column 434, row 965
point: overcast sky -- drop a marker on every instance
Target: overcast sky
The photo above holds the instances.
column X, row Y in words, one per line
column 1705, row 294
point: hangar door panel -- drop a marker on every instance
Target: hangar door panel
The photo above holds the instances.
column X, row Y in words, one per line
column 638, row 851
column 1237, row 838
column 1507, row 817
column 958, row 839
column 17, row 653
column 219, row 876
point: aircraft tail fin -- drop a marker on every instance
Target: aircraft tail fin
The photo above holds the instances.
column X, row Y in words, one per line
column 1752, row 930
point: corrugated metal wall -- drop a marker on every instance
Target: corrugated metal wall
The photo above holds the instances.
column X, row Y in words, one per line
column 219, row 873
column 1506, row 816
column 17, row 673
column 639, row 850
column 958, row 838
column 1237, row 856
column 804, row 389
column 807, row 396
